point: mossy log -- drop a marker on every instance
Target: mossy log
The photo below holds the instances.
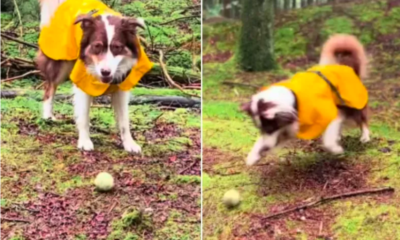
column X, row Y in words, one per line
column 169, row 101
column 178, row 74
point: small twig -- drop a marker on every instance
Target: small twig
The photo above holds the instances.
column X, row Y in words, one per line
column 180, row 18
column 19, row 41
column 168, row 78
column 323, row 200
column 112, row 207
column 15, row 220
column 321, row 225
column 158, row 117
column 190, row 166
column 20, row 76
column 20, row 20
column 40, row 85
column 187, row 221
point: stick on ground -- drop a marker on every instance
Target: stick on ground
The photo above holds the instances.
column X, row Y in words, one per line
column 15, row 220
column 20, row 76
column 323, row 200
column 168, row 77
column 18, row 41
column 169, row 101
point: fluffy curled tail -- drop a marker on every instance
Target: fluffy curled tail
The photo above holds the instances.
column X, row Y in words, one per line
column 346, row 50
column 47, row 9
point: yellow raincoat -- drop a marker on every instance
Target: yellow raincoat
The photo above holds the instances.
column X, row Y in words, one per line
column 317, row 102
column 60, row 40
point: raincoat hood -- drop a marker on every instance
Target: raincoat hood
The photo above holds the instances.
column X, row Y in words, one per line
column 317, row 101
column 61, row 39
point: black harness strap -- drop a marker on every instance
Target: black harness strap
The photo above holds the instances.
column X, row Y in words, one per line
column 331, row 86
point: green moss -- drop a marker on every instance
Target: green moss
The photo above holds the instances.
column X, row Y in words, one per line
column 182, row 117
column 140, row 91
column 288, row 43
column 181, row 59
column 80, row 237
column 220, row 72
column 132, row 223
column 337, row 25
column 185, row 179
column 310, row 14
column 367, row 11
column 223, row 110
column 229, row 134
column 367, row 222
column 389, row 24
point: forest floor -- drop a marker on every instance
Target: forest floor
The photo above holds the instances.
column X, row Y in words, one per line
column 47, row 189
column 302, row 172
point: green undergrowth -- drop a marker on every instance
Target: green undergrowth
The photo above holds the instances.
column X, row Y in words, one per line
column 368, row 221
column 43, row 152
column 162, row 29
column 229, row 134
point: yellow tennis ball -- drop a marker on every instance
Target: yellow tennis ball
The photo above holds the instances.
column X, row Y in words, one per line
column 104, row 181
column 231, row 198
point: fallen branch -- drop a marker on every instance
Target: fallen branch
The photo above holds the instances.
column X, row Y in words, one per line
column 19, row 41
column 180, row 75
column 168, row 77
column 323, row 200
column 170, row 101
column 180, row 18
column 15, row 220
column 20, row 76
column 190, row 166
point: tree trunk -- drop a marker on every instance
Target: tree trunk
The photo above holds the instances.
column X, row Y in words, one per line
column 286, row 5
column 256, row 40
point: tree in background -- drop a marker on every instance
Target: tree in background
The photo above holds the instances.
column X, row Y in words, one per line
column 256, row 38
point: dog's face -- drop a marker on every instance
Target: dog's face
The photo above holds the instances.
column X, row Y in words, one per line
column 272, row 110
column 109, row 46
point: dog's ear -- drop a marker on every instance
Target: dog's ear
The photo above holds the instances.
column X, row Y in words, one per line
column 87, row 20
column 285, row 118
column 246, row 107
column 131, row 24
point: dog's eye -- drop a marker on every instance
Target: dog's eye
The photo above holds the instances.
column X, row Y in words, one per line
column 116, row 49
column 97, row 48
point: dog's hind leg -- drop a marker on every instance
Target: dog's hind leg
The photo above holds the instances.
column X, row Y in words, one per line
column 264, row 143
column 364, row 125
column 120, row 103
column 54, row 73
column 82, row 103
column 331, row 136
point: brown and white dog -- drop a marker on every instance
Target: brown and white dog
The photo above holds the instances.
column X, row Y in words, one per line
column 108, row 54
column 275, row 110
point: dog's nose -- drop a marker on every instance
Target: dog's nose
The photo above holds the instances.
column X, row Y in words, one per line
column 105, row 72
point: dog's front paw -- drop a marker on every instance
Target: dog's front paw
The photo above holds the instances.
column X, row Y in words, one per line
column 132, row 147
column 85, row 144
column 365, row 138
column 49, row 116
column 252, row 159
column 335, row 149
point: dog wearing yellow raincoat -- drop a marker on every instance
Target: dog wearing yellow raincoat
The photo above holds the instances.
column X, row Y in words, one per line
column 314, row 102
column 99, row 50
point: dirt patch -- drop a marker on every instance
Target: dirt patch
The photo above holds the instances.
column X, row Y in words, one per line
column 162, row 131
column 213, row 157
column 314, row 222
column 219, row 57
column 189, row 162
column 324, row 176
